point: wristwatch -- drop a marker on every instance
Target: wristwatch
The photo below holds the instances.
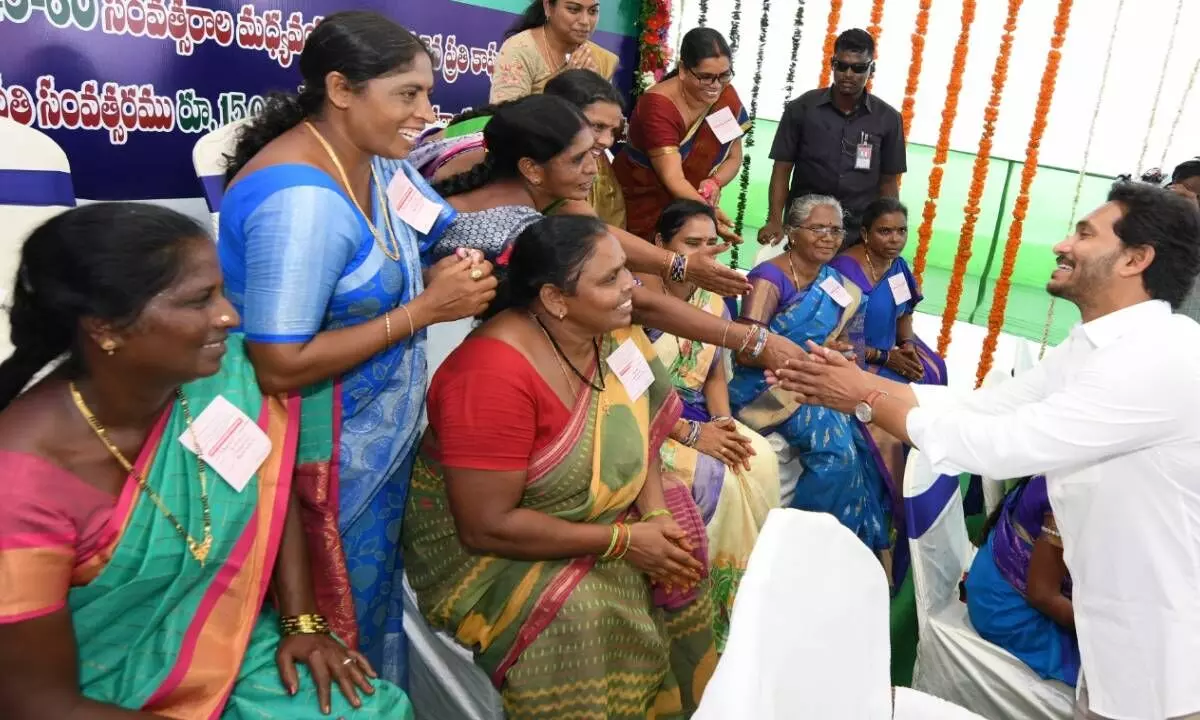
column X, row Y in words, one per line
column 865, row 410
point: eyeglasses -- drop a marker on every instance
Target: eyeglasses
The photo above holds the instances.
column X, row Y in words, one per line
column 857, row 68
column 820, row 230
column 710, row 79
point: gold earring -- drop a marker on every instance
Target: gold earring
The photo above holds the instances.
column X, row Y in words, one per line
column 109, row 346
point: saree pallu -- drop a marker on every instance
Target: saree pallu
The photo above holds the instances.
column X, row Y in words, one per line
column 882, row 313
column 656, row 128
column 359, row 431
column 733, row 503
column 842, row 474
column 577, row 637
column 997, row 583
column 159, row 632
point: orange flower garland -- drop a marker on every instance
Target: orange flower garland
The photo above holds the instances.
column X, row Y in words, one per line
column 875, row 31
column 949, row 111
column 1004, row 282
column 914, row 67
column 835, row 15
column 978, row 177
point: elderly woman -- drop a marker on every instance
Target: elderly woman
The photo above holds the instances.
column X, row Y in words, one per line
column 328, row 280
column 135, row 555
column 540, row 531
column 685, row 136
column 801, row 297
column 890, row 296
column 552, row 36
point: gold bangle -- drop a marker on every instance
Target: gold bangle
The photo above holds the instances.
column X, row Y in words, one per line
column 387, row 326
column 412, row 328
column 308, row 624
column 612, row 544
column 656, row 513
column 725, row 335
column 623, row 548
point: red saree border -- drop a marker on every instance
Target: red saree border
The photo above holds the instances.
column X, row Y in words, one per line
column 549, row 456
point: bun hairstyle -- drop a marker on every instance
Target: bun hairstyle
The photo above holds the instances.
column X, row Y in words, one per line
column 538, row 127
column 551, row 251
column 359, row 44
column 105, row 261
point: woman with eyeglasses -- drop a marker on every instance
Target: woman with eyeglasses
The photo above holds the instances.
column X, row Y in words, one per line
column 685, row 137
column 552, row 36
column 800, row 296
column 891, row 295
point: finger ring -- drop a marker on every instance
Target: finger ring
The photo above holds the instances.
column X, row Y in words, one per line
column 347, row 661
column 476, row 274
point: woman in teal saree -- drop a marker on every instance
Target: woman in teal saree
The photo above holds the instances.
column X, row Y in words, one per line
column 147, row 509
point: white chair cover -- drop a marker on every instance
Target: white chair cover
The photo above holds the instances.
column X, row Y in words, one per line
column 208, row 158
column 809, row 632
column 916, row 705
column 442, row 339
column 35, row 185
column 953, row 662
column 444, row 682
column 766, row 252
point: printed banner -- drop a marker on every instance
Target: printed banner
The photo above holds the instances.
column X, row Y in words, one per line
column 127, row 87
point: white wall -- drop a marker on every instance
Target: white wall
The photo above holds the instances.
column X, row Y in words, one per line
column 1145, row 29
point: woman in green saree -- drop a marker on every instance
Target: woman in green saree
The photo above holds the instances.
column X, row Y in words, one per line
column 538, row 531
column 147, row 506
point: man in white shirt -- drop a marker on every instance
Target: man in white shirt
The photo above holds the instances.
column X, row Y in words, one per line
column 1112, row 417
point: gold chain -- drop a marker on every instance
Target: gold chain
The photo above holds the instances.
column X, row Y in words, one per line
column 394, row 252
column 871, row 265
column 199, row 550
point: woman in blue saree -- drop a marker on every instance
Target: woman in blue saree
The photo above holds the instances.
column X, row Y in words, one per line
column 798, row 295
column 890, row 296
column 1018, row 589
column 328, row 279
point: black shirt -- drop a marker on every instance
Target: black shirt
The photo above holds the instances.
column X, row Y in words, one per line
column 822, row 142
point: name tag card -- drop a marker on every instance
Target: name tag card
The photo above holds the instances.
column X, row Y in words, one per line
column 834, row 289
column 631, row 368
column 725, row 126
column 413, row 208
column 900, row 292
column 862, row 158
column 231, row 443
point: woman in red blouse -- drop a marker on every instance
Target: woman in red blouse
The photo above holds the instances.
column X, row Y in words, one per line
column 539, row 532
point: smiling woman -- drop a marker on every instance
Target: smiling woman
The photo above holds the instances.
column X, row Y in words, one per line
column 550, row 37
column 329, row 282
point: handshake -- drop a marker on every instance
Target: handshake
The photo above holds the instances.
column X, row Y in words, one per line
column 824, row 376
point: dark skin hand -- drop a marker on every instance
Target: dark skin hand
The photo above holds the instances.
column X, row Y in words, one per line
column 1047, row 570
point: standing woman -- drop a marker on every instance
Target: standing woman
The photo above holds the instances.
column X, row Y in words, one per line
column 552, row 36
column 328, row 281
column 685, row 136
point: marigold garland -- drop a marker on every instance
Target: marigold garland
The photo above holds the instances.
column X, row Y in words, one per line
column 790, row 83
column 979, row 175
column 942, row 150
column 875, row 30
column 1038, row 129
column 748, row 140
column 914, row 66
column 835, row 16
column 654, row 43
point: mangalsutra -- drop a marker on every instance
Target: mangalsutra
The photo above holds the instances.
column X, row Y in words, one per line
column 563, row 356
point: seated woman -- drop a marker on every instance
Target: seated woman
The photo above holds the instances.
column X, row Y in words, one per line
column 685, row 136
column 461, row 146
column 1018, row 590
column 539, row 161
column 135, row 556
column 890, row 295
column 540, row 532
column 550, row 37
column 799, row 296
column 732, row 471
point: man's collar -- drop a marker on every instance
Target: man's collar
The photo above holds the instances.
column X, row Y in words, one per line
column 1107, row 329
column 865, row 101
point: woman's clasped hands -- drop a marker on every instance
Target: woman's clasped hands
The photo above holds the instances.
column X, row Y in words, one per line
column 720, row 438
column 662, row 550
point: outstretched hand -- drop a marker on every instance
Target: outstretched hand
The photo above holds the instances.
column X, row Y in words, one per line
column 705, row 270
column 825, row 377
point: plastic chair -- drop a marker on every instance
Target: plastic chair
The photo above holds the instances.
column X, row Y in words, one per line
column 443, row 680
column 953, row 662
column 35, row 185
column 208, row 158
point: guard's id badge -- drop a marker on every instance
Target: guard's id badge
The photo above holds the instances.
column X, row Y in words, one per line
column 862, row 158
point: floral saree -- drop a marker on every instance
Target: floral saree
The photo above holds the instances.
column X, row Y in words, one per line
column 656, row 128
column 576, row 637
column 157, row 631
column 733, row 503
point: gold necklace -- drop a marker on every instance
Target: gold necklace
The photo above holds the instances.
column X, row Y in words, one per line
column 558, row 63
column 870, row 265
column 792, row 267
column 394, row 252
column 198, row 549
